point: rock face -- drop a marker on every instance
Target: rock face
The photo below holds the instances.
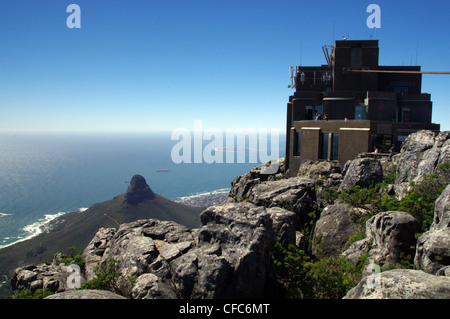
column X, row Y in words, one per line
column 241, row 185
column 402, row 284
column 318, row 169
column 422, row 154
column 138, row 191
column 388, row 235
column 363, row 172
column 295, row 194
column 227, row 257
column 85, row 294
column 334, row 228
column 47, row 277
column 94, row 251
column 433, row 247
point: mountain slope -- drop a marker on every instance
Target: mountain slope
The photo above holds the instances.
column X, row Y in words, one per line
column 78, row 228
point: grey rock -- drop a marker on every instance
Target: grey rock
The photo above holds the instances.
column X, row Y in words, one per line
column 422, row 154
column 318, row 169
column 401, row 284
column 150, row 286
column 241, row 185
column 301, row 241
column 48, row 277
column 136, row 248
column 441, row 218
column 444, row 271
column 433, row 247
column 94, row 251
column 433, row 251
column 283, row 225
column 334, row 228
column 364, row 172
column 295, row 194
column 388, row 235
column 85, row 294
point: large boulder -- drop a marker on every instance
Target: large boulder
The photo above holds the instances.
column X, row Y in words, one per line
column 227, row 257
column 422, row 154
column 401, row 284
column 242, row 184
column 364, row 172
column 296, row 194
column 95, row 250
column 85, row 294
column 433, row 247
column 336, row 225
column 389, row 235
column 53, row 277
column 318, row 169
column 138, row 249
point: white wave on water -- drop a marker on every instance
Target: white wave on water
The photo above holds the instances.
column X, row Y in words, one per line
column 3, row 215
column 36, row 228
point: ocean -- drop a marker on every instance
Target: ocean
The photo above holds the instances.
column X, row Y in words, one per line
column 44, row 175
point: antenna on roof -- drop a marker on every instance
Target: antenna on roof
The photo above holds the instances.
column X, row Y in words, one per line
column 417, row 51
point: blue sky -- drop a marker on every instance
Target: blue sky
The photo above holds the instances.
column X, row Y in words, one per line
column 141, row 65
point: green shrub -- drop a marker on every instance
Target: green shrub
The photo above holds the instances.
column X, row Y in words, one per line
column 27, row 294
column 73, row 258
column 332, row 277
column 289, row 269
column 105, row 278
column 302, row 277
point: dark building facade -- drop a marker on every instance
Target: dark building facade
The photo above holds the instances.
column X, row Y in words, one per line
column 352, row 105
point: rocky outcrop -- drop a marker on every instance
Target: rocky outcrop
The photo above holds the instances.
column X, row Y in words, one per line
column 138, row 191
column 422, row 154
column 318, row 169
column 295, row 194
column 94, row 251
column 433, row 247
column 242, row 184
column 401, row 284
column 47, row 277
column 388, row 236
column 85, row 294
column 227, row 257
column 337, row 223
column 364, row 172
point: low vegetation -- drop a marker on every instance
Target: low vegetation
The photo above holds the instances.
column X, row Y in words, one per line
column 304, row 276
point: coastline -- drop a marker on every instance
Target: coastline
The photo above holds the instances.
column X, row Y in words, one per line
column 42, row 225
column 46, row 223
column 205, row 199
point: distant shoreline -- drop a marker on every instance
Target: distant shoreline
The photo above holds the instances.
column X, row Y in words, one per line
column 205, row 199
column 45, row 224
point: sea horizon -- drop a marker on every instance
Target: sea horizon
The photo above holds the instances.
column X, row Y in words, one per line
column 44, row 175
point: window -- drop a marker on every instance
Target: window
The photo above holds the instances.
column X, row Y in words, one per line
column 406, row 114
column 324, row 145
column 361, row 112
column 335, row 147
column 297, row 141
column 401, row 89
column 308, row 112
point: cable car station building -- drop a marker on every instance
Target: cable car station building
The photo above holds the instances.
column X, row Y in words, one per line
column 351, row 105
